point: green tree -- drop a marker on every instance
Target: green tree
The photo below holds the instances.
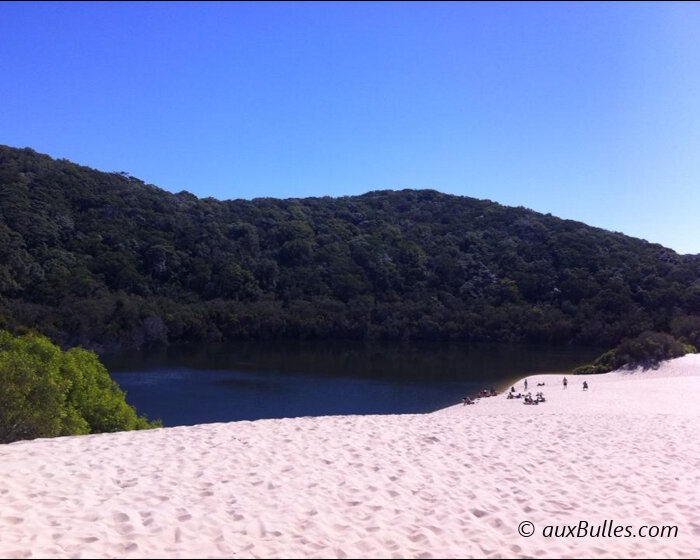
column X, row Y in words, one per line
column 95, row 396
column 32, row 390
column 45, row 392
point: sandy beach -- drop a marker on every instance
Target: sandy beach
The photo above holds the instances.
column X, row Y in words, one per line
column 456, row 483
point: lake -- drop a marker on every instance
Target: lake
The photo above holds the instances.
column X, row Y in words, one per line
column 186, row 385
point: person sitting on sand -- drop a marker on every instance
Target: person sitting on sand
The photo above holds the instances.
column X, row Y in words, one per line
column 585, row 385
column 512, row 389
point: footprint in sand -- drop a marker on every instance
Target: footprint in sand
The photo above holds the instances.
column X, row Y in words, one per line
column 496, row 523
column 146, row 518
column 17, row 554
column 125, row 529
column 417, row 537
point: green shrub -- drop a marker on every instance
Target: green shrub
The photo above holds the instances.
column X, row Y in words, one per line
column 650, row 348
column 687, row 329
column 45, row 392
column 590, row 369
column 646, row 350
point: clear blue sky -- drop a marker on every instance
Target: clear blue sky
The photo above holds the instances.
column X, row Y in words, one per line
column 589, row 111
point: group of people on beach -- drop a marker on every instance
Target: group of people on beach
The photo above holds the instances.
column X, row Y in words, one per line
column 527, row 397
column 565, row 382
column 481, row 394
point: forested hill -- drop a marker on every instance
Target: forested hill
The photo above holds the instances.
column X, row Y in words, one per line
column 101, row 259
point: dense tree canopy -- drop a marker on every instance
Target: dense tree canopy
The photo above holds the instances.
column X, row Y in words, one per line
column 46, row 392
column 101, row 259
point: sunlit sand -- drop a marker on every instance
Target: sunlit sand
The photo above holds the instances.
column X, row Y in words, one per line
column 455, row 483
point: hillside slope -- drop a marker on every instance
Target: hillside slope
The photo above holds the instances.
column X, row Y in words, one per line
column 103, row 260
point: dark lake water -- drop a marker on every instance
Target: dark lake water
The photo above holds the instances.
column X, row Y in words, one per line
column 248, row 381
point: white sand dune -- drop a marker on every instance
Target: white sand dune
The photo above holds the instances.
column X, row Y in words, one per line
column 455, row 483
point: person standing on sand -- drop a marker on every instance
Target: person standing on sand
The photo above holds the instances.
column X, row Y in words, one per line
column 526, row 384
column 565, row 383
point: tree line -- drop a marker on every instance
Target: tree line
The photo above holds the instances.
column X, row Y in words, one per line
column 103, row 260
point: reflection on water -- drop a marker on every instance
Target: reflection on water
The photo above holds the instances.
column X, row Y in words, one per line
column 186, row 385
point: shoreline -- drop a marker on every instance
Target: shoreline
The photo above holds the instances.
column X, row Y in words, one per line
column 457, row 482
